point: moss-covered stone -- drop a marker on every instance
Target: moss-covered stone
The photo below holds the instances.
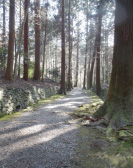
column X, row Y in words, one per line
column 32, row 107
column 16, row 99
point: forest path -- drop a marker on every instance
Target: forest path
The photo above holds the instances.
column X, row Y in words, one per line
column 44, row 138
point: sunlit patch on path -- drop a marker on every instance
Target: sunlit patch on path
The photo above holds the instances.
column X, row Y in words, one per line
column 44, row 138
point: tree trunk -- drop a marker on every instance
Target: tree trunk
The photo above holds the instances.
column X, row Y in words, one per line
column 20, row 42
column 19, row 52
column 98, row 85
column 70, row 50
column 4, row 33
column 77, row 58
column 26, row 42
column 62, row 87
column 9, row 69
column 86, row 50
column 56, row 66
column 92, row 66
column 106, row 58
column 69, row 57
column 4, row 24
column 118, row 107
column 45, row 37
column 37, row 41
column 89, row 65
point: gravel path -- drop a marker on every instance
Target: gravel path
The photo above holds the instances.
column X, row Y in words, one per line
column 44, row 138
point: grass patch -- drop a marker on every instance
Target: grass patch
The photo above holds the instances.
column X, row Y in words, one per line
column 10, row 116
column 32, row 107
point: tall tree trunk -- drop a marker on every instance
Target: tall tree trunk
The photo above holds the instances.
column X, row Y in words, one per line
column 98, row 85
column 56, row 62
column 106, row 58
column 70, row 47
column 4, row 32
column 118, row 107
column 89, row 65
column 92, row 67
column 9, row 69
column 86, row 50
column 26, row 42
column 77, row 58
column 44, row 51
column 37, row 41
column 4, row 25
column 20, row 42
column 62, row 87
column 46, row 67
column 103, row 67
column 19, row 52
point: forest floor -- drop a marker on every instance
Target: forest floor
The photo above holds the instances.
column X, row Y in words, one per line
column 53, row 136
column 20, row 83
column 94, row 149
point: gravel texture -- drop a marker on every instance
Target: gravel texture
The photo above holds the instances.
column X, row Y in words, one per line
column 45, row 138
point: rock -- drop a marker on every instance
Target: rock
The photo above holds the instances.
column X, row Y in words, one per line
column 7, row 105
column 14, row 99
column 4, row 110
column 10, row 109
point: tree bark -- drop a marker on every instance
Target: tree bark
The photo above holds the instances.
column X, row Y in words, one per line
column 19, row 52
column 92, row 70
column 106, row 58
column 56, row 62
column 86, row 50
column 98, row 85
column 4, row 24
column 37, row 41
column 62, row 87
column 4, row 34
column 26, row 59
column 20, row 42
column 89, row 65
column 77, row 58
column 118, row 107
column 9, row 69
column 70, row 49
column 44, row 51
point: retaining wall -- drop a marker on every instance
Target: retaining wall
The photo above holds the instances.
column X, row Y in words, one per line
column 14, row 99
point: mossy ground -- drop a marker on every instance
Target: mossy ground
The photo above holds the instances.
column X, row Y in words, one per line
column 89, row 109
column 32, row 107
column 94, row 149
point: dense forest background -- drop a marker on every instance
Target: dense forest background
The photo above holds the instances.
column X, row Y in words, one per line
column 33, row 35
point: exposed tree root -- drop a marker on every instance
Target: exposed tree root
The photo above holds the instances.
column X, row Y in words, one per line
column 115, row 116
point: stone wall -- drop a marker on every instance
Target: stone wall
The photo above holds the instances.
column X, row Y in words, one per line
column 14, row 99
